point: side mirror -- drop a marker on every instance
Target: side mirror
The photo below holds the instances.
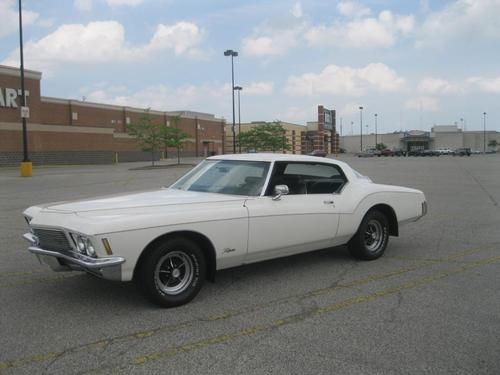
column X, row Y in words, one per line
column 280, row 190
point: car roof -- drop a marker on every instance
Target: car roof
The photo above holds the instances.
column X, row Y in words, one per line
column 270, row 157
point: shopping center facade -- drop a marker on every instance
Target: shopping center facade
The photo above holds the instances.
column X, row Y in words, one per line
column 66, row 131
column 440, row 136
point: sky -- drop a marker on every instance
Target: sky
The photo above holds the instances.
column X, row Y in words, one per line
column 413, row 63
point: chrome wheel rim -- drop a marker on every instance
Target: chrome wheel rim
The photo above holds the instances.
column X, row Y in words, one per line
column 374, row 235
column 174, row 272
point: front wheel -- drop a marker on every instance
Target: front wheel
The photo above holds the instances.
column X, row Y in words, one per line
column 371, row 239
column 172, row 272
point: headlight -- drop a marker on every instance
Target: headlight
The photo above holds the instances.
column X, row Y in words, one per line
column 84, row 245
column 90, row 248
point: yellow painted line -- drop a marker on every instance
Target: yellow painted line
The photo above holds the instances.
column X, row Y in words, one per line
column 226, row 315
column 298, row 318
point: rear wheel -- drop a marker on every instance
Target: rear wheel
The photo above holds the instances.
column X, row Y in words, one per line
column 371, row 239
column 172, row 272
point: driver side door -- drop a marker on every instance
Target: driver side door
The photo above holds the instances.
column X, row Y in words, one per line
column 299, row 222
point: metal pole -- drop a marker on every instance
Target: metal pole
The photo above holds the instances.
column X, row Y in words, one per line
column 232, row 91
column 484, row 133
column 23, row 94
column 239, row 121
column 360, row 128
column 376, row 141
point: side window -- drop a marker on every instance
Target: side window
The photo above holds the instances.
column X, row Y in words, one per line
column 308, row 178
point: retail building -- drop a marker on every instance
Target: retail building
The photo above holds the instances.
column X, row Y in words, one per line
column 66, row 131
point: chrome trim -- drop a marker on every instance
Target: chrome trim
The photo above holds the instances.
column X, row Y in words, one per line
column 280, row 190
column 79, row 259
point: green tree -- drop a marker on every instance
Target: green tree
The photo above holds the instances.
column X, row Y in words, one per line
column 265, row 137
column 148, row 133
column 493, row 143
column 174, row 137
column 380, row 146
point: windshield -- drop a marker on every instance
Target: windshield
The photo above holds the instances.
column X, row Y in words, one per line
column 235, row 177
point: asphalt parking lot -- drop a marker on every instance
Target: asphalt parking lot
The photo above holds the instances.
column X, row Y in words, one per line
column 430, row 305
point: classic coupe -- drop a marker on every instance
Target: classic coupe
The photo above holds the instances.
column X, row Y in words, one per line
column 227, row 211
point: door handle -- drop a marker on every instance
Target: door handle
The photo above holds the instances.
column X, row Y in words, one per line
column 328, row 202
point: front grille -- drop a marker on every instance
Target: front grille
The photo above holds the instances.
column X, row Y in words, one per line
column 53, row 240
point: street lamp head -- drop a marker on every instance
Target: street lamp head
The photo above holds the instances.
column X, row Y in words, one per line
column 239, row 88
column 230, row 52
column 361, row 108
column 376, row 114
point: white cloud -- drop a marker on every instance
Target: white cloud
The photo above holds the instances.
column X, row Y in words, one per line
column 83, row 5
column 208, row 96
column 352, row 9
column 461, row 20
column 345, row 81
column 370, row 32
column 274, row 44
column 180, row 37
column 485, row 84
column 297, row 10
column 115, row 3
column 259, row 88
column 100, row 42
column 437, row 86
column 423, row 103
column 10, row 17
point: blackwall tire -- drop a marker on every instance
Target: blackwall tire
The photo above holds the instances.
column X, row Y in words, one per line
column 372, row 237
column 172, row 273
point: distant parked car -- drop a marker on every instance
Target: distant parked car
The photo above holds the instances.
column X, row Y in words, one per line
column 445, row 151
column 464, row 151
column 320, row 153
column 386, row 152
column 423, row 153
column 399, row 152
column 430, row 153
column 415, row 152
column 366, row 154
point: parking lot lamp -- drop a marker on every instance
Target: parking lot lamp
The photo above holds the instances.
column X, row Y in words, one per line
column 484, row 133
column 376, row 141
column 239, row 88
column 26, row 166
column 233, row 54
column 360, row 128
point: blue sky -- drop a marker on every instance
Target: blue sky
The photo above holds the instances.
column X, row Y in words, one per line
column 415, row 63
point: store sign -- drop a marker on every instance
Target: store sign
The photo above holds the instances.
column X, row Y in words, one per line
column 329, row 118
column 8, row 97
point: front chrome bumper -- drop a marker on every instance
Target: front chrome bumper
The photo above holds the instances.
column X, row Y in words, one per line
column 108, row 267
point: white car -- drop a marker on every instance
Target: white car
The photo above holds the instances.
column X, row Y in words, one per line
column 227, row 211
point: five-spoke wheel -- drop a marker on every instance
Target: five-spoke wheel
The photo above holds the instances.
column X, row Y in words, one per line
column 372, row 237
column 172, row 272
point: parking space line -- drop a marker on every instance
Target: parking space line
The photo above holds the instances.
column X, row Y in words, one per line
column 292, row 319
column 233, row 313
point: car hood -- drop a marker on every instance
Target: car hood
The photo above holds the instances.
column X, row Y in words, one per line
column 162, row 197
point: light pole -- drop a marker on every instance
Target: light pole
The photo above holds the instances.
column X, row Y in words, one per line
column 361, row 129
column 462, row 123
column 376, row 142
column 26, row 166
column 484, row 133
column 239, row 88
column 233, row 54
